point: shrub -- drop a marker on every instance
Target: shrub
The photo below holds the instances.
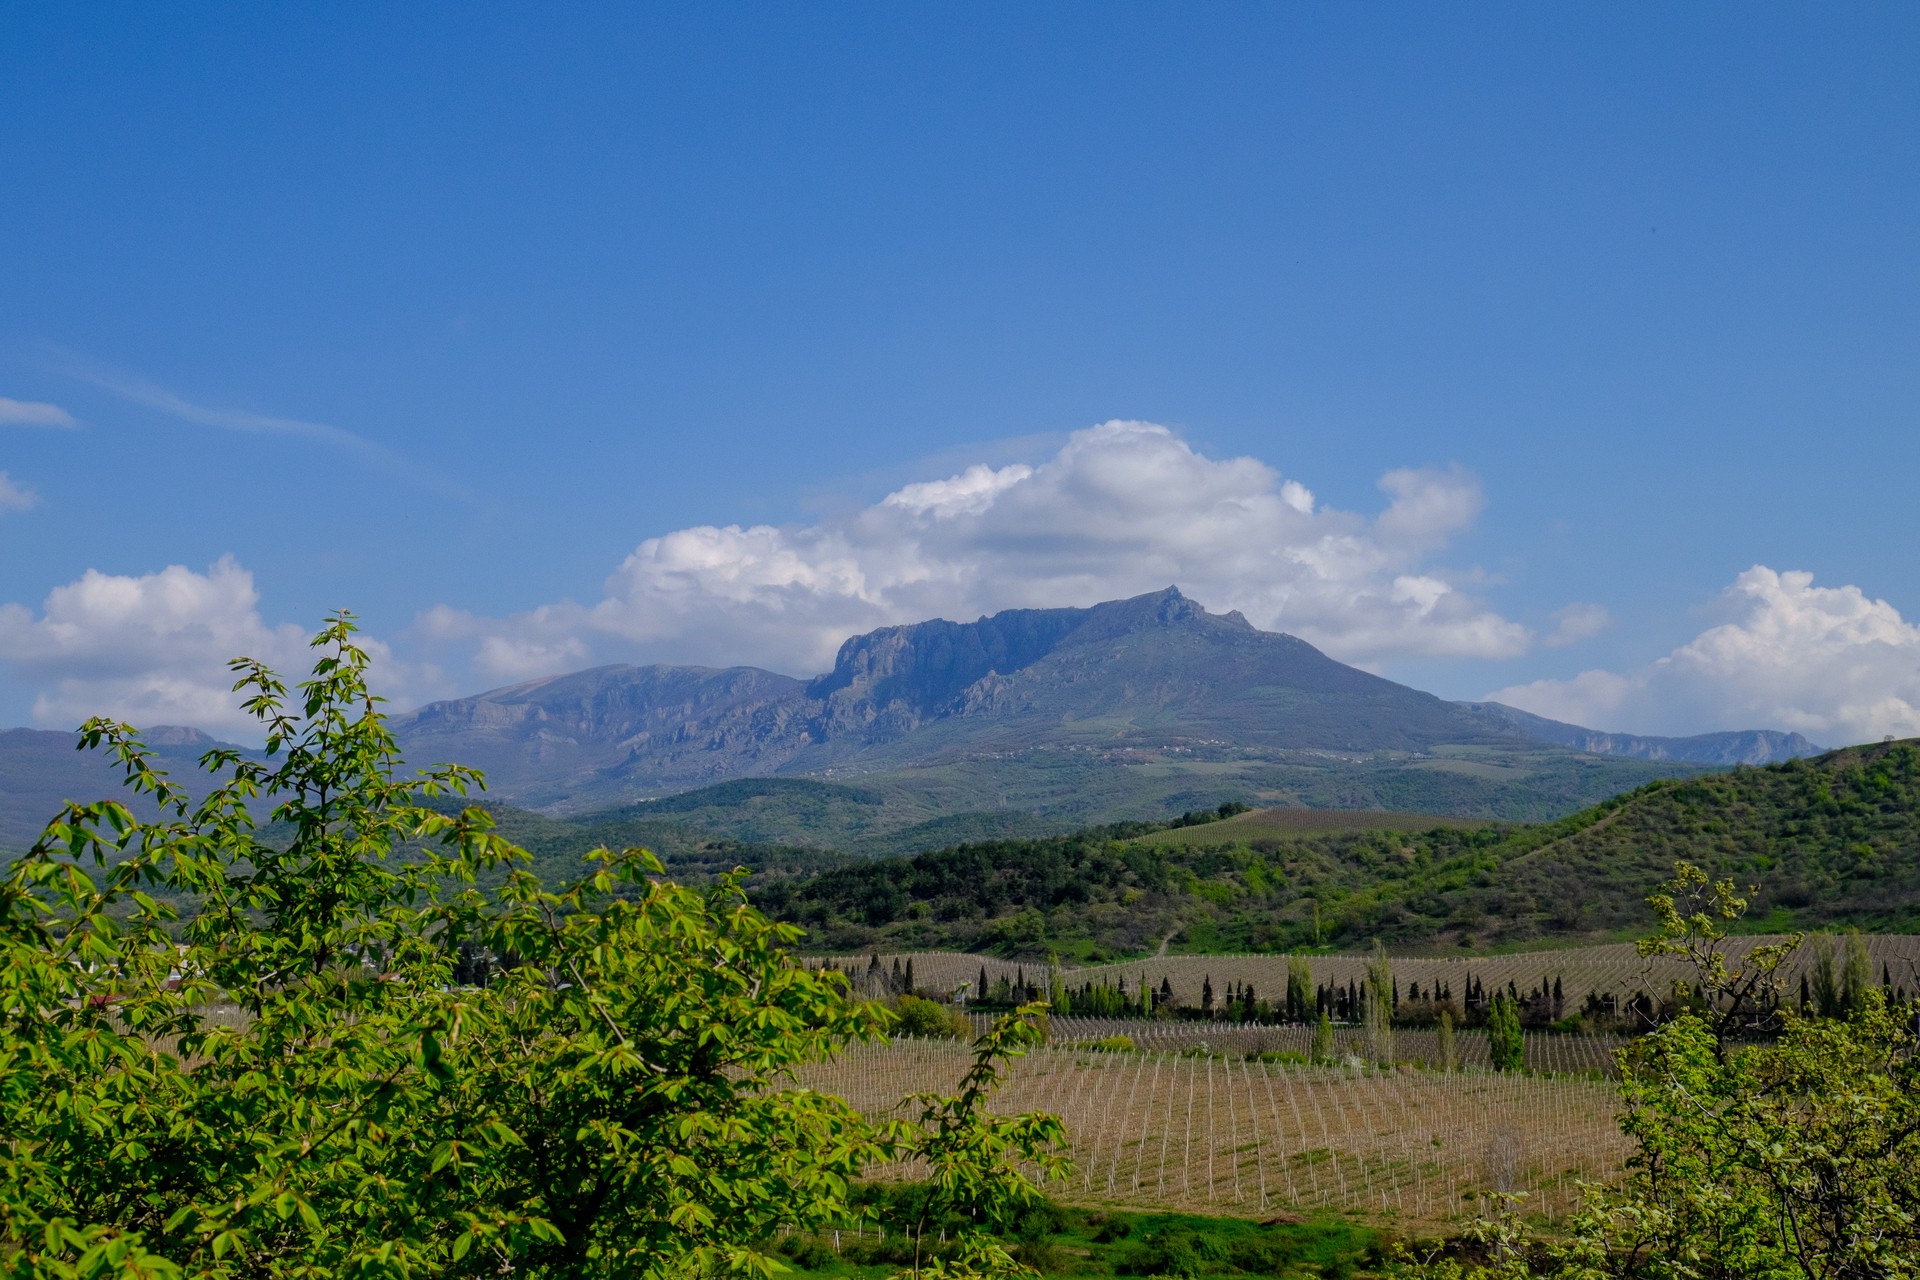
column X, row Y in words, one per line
column 931, row 1020
column 809, row 1253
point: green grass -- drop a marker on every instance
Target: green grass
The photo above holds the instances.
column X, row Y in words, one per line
column 1480, row 769
column 1066, row 1241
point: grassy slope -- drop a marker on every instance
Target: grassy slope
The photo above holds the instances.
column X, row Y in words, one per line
column 1829, row 841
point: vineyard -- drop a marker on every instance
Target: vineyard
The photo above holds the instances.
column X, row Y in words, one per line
column 1218, row 1133
column 1546, row 1052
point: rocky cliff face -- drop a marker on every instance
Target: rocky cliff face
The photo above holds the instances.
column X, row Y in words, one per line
column 672, row 727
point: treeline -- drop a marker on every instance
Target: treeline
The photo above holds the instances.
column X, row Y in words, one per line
column 1838, row 983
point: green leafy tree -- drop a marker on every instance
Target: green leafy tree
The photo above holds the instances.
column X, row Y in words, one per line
column 930, row 1020
column 1791, row 1156
column 1057, row 996
column 616, row 1099
column 974, row 1158
column 1378, row 1006
column 1322, row 1050
column 1505, row 1045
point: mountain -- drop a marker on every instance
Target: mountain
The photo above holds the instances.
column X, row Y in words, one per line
column 1156, row 674
column 1154, row 671
column 1742, row 746
column 1815, row 843
column 42, row 769
column 1024, row 723
column 1027, row 721
column 615, row 732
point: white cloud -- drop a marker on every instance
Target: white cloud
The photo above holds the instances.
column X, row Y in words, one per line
column 1577, row 622
column 33, row 413
column 1120, row 509
column 1829, row 662
column 15, row 497
column 153, row 649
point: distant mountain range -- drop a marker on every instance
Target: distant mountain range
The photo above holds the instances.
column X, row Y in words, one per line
column 1740, row 746
column 1028, row 719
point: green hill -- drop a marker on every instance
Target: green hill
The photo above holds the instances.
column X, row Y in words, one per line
column 1833, row 841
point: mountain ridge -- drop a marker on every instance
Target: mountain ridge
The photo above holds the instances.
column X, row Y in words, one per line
column 1727, row 747
column 1152, row 673
column 1020, row 721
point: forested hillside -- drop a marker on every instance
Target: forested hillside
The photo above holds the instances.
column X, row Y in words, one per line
column 1829, row 841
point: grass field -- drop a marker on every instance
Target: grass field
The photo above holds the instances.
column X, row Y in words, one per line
column 1073, row 1240
column 1287, row 823
column 1408, row 1149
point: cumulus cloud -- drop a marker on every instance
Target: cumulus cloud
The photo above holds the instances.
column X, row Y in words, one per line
column 1120, row 509
column 1829, row 662
column 15, row 497
column 33, row 413
column 153, row 649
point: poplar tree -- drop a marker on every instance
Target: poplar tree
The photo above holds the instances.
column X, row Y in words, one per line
column 1505, row 1046
column 1378, row 1009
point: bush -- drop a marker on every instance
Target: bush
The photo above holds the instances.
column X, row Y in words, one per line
column 931, row 1020
column 1176, row 1252
column 809, row 1253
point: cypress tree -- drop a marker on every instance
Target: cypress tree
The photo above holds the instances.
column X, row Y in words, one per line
column 1299, row 979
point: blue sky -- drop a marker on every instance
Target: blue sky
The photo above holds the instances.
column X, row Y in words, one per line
column 450, row 313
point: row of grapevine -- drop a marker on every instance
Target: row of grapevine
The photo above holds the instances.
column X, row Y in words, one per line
column 1178, row 1131
column 1545, row 1051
